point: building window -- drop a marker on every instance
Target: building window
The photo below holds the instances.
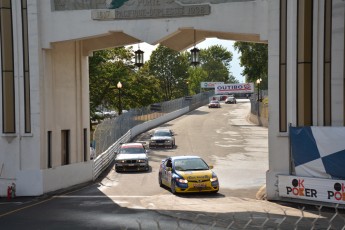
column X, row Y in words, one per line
column 49, row 149
column 85, row 145
column 282, row 67
column 327, row 64
column 65, row 147
column 27, row 112
column 304, row 62
column 7, row 67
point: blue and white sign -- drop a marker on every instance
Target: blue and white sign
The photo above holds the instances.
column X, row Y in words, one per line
column 318, row 151
column 318, row 154
column 210, row 85
column 234, row 88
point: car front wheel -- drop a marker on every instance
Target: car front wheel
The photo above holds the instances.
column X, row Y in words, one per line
column 160, row 180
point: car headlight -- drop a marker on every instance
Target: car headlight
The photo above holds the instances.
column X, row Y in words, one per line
column 168, row 141
column 120, row 161
column 181, row 180
column 153, row 141
column 141, row 161
column 214, row 177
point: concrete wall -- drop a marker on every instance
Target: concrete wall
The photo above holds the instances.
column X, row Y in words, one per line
column 65, row 96
column 278, row 143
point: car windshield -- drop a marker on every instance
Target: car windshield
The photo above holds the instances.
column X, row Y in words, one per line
column 162, row 134
column 132, row 150
column 191, row 164
column 214, row 101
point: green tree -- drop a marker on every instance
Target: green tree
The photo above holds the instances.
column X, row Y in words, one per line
column 170, row 67
column 106, row 69
column 196, row 76
column 233, row 79
column 142, row 89
column 254, row 59
column 215, row 60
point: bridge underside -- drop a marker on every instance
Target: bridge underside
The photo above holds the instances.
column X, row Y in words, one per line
column 180, row 40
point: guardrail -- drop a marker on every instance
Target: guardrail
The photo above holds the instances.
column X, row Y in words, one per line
column 105, row 159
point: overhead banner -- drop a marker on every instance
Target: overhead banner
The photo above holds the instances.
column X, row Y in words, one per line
column 234, row 88
column 316, row 189
column 209, row 85
column 318, row 151
column 135, row 9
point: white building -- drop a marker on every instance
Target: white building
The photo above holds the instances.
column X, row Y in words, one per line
column 44, row 72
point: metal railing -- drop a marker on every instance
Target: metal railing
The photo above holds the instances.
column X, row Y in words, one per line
column 110, row 130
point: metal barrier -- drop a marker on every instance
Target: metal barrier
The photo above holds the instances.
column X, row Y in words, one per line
column 260, row 111
column 105, row 159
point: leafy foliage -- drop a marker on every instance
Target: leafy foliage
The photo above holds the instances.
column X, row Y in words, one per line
column 170, row 67
column 215, row 60
column 254, row 59
column 196, row 76
column 107, row 68
column 141, row 89
column 167, row 75
column 233, row 79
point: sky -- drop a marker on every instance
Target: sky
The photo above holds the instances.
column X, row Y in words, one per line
column 235, row 68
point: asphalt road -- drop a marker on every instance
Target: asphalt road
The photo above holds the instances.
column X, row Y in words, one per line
column 236, row 148
column 224, row 137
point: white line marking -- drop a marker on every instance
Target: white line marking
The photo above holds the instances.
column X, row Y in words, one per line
column 98, row 196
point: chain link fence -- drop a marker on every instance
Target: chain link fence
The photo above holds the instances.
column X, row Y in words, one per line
column 318, row 218
column 112, row 129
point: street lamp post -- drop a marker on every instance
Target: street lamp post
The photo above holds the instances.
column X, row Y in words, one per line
column 194, row 54
column 258, row 82
column 139, row 58
column 119, row 86
column 187, row 84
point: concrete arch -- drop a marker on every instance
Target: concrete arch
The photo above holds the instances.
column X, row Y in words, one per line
column 56, row 37
column 61, row 36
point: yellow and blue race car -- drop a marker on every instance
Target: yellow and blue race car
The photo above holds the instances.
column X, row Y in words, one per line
column 183, row 174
